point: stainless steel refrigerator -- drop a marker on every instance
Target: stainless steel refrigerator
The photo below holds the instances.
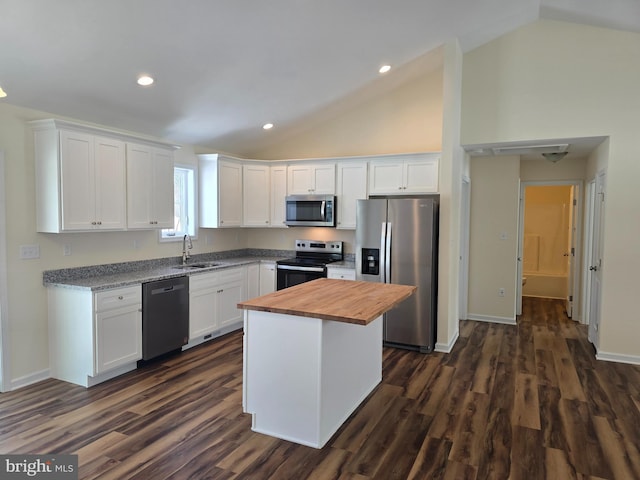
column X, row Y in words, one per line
column 397, row 242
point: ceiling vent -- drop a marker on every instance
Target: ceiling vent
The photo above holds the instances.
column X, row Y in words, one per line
column 530, row 149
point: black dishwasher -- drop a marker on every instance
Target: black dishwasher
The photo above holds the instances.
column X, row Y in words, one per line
column 165, row 316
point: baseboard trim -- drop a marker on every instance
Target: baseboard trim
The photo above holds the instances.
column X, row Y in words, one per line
column 617, row 357
column 491, row 319
column 30, row 379
column 447, row 347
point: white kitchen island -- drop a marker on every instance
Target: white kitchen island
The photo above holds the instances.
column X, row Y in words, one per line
column 312, row 354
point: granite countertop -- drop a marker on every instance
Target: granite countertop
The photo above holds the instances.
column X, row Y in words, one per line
column 104, row 277
column 343, row 264
column 351, row 301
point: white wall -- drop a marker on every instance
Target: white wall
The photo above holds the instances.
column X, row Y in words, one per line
column 560, row 80
column 493, row 245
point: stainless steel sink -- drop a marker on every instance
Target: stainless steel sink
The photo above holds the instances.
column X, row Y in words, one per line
column 189, row 266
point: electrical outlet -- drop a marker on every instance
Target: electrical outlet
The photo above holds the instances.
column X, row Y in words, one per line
column 501, row 292
column 29, row 251
column 66, row 250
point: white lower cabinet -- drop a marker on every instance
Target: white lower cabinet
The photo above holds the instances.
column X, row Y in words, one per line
column 267, row 278
column 253, row 280
column 213, row 300
column 341, row 273
column 94, row 336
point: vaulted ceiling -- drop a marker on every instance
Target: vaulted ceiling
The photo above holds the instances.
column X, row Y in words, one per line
column 223, row 68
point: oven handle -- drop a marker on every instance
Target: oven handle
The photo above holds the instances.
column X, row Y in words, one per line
column 301, row 269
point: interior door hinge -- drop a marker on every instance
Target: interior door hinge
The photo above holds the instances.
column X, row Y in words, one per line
column 573, row 251
column 575, row 202
column 571, row 298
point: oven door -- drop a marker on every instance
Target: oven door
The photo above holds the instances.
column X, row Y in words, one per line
column 290, row 275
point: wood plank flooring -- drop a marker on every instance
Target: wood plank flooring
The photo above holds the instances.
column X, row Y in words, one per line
column 510, row 402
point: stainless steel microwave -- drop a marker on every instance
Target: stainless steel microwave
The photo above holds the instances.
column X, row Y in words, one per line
column 311, row 210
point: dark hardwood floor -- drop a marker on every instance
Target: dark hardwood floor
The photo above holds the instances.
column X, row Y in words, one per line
column 520, row 402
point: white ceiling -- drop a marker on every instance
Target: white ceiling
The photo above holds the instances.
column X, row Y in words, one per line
column 225, row 67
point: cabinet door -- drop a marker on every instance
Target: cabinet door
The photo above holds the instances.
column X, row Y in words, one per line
column 77, row 181
column 118, row 339
column 278, row 195
column 255, row 198
column 229, row 295
column 352, row 186
column 253, row 281
column 162, row 195
column 230, row 194
column 139, row 187
column 203, row 304
column 149, row 187
column 324, row 179
column 299, row 179
column 267, row 278
column 110, row 184
column 386, row 177
column 421, row 176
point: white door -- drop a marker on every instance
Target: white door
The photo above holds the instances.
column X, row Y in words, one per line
column 519, row 269
column 571, row 251
column 595, row 269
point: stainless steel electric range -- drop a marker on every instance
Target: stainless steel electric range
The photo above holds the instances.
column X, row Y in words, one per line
column 310, row 262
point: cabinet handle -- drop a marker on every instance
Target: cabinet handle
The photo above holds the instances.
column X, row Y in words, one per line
column 99, row 223
column 120, row 297
column 93, row 223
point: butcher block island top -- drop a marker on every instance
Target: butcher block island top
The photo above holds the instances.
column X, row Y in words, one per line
column 331, row 299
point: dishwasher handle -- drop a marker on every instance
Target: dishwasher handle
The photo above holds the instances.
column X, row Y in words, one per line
column 172, row 288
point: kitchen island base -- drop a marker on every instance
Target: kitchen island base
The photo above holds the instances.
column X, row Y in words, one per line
column 303, row 377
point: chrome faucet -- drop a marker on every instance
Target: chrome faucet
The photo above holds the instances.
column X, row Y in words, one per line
column 186, row 248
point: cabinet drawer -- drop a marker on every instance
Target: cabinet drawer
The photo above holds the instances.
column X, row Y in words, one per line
column 231, row 275
column 341, row 273
column 118, row 297
column 201, row 281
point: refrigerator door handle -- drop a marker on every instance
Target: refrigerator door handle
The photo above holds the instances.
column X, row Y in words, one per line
column 383, row 258
column 387, row 255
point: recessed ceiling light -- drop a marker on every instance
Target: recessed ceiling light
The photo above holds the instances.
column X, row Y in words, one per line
column 145, row 80
column 2, row 93
column 384, row 69
column 268, row 126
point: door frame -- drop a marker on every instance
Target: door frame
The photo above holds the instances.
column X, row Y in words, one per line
column 463, row 273
column 577, row 240
column 4, row 297
column 587, row 259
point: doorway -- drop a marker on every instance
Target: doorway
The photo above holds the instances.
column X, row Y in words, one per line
column 549, row 242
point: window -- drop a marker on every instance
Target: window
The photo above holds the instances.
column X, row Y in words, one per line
column 184, row 204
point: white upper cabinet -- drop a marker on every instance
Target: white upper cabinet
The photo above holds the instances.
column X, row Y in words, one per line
column 220, row 191
column 351, row 186
column 84, row 181
column 305, row 179
column 278, row 194
column 256, row 186
column 149, row 187
column 80, row 181
column 410, row 174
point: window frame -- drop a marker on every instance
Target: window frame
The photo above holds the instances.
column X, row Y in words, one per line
column 192, row 205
